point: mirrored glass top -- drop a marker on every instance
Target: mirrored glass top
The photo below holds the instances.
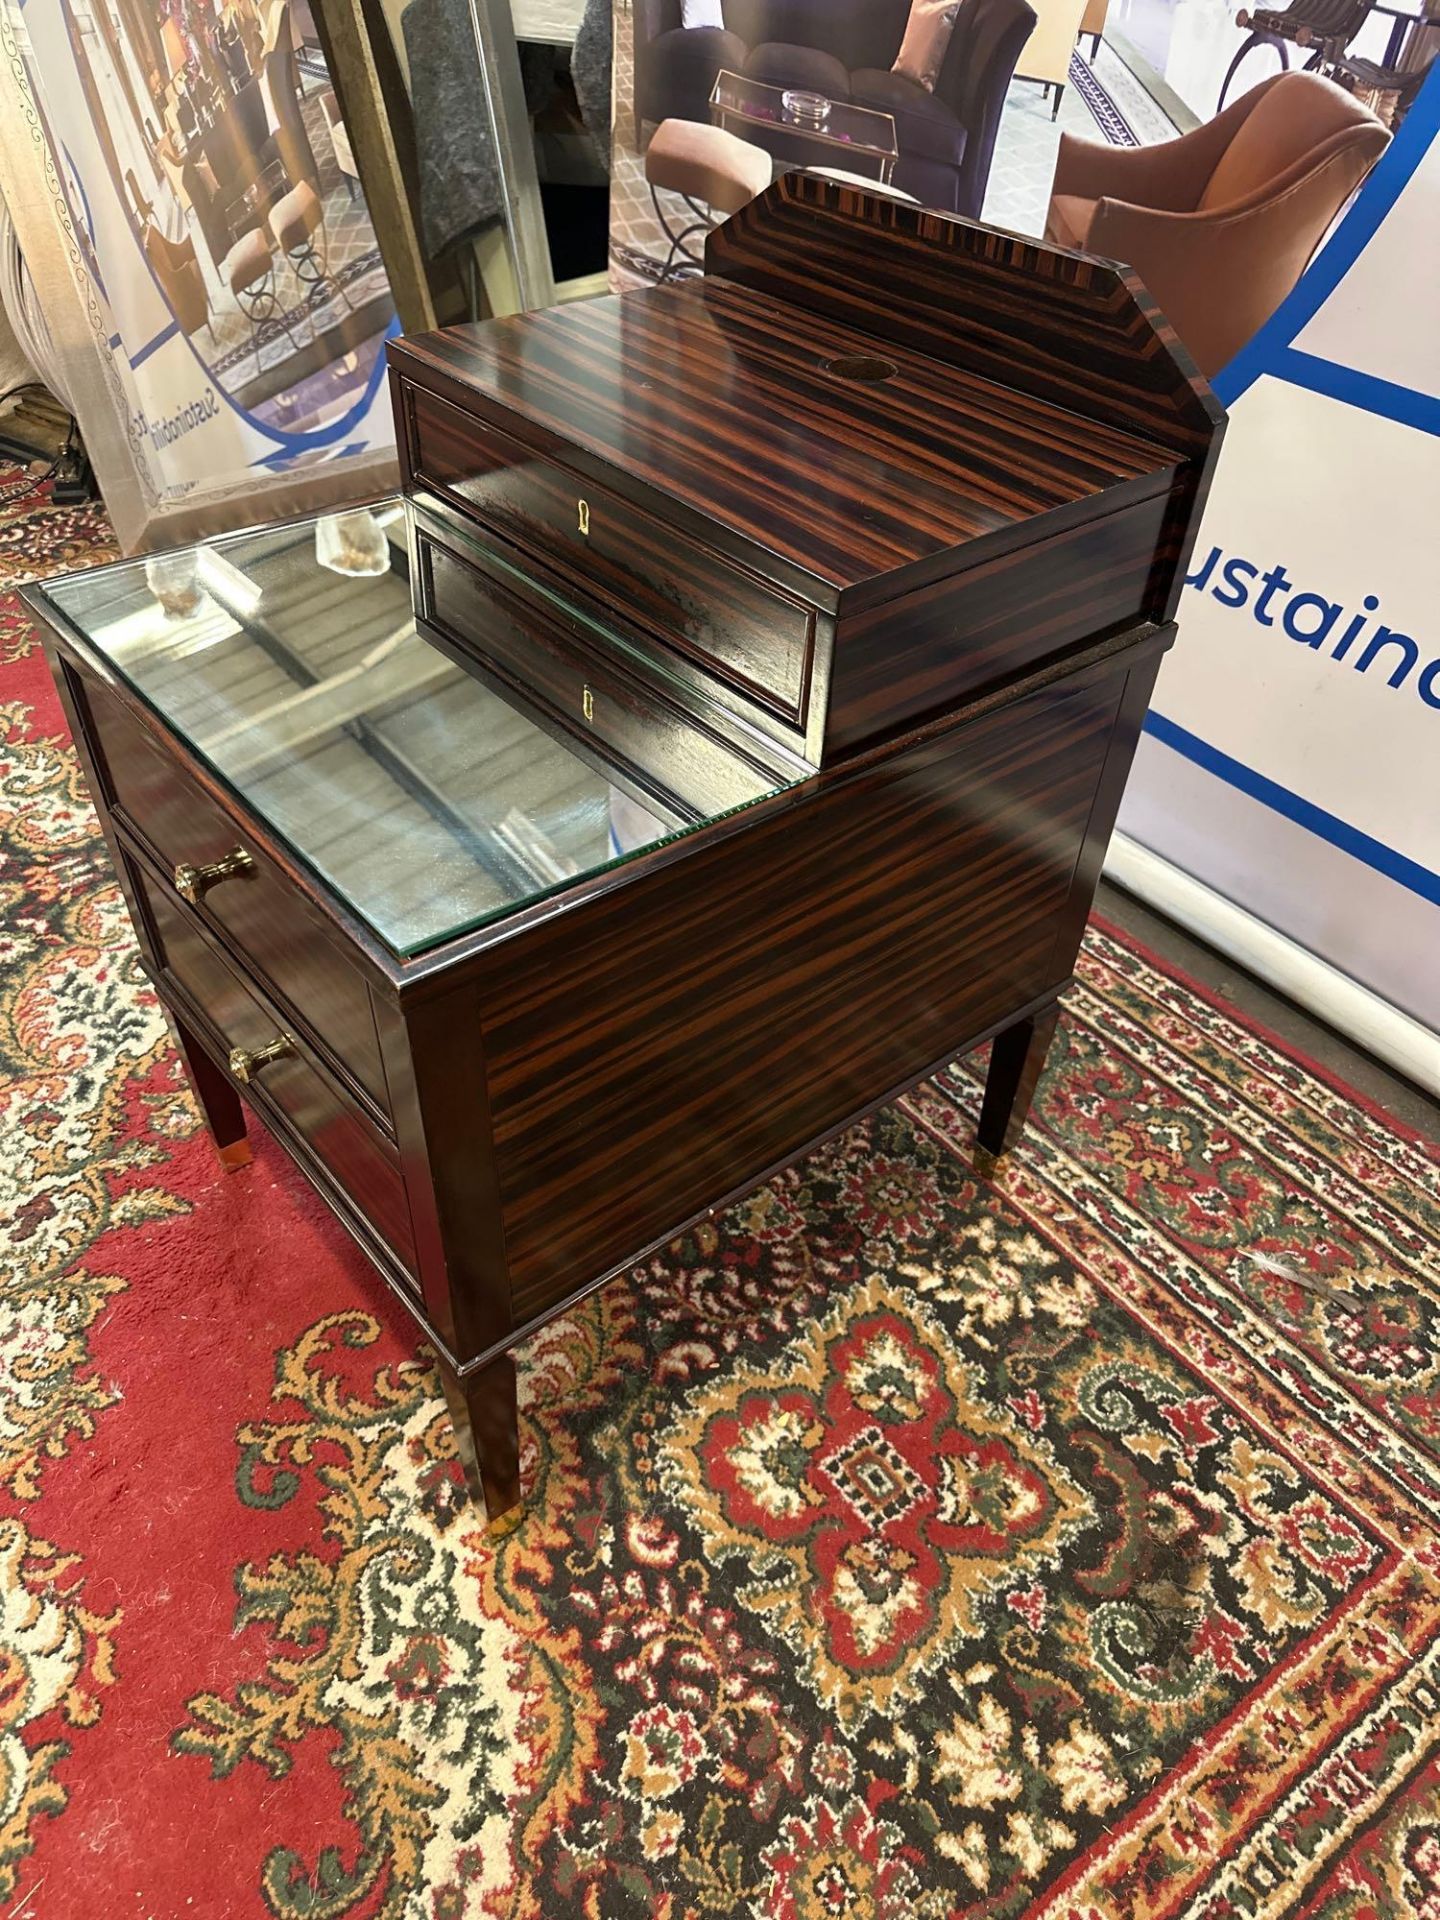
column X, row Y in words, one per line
column 427, row 799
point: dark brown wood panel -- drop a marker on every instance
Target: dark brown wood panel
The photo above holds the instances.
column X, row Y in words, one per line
column 257, row 912
column 1079, row 332
column 899, row 664
column 720, row 404
column 750, row 635
column 445, row 1141
column 662, row 747
column 683, row 1034
column 859, row 524
column 342, row 1138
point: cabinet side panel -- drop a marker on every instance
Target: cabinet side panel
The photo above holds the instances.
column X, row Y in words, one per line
column 436, row 1069
column 899, row 664
column 672, row 1040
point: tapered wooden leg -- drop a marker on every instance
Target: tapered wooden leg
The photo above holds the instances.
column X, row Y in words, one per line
column 487, row 1438
column 1016, row 1058
column 222, row 1107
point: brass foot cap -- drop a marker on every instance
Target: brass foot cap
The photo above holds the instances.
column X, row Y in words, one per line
column 505, row 1524
column 235, row 1156
column 985, row 1162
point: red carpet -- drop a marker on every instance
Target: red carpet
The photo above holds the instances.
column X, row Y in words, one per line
column 901, row 1546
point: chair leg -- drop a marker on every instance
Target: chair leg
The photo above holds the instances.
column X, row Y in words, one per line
column 261, row 305
column 702, row 223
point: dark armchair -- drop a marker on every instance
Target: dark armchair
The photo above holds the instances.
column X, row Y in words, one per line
column 675, row 66
column 845, row 49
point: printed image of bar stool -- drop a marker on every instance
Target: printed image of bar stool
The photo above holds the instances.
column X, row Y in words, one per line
column 298, row 224
column 250, row 274
column 713, row 172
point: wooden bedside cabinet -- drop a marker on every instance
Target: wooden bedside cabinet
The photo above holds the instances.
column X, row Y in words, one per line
column 733, row 739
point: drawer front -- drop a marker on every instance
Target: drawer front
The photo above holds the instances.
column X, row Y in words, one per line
column 664, row 747
column 703, row 607
column 272, row 930
column 345, row 1141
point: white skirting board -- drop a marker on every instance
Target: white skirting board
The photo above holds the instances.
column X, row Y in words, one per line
column 1332, row 996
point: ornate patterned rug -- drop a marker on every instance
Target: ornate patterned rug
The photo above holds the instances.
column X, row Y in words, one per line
column 901, row 1546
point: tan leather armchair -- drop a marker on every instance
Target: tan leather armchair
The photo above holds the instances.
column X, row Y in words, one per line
column 174, row 265
column 1221, row 223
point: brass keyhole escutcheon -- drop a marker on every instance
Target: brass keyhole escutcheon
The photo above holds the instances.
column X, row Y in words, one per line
column 191, row 882
column 245, row 1062
column 583, row 507
column 587, row 704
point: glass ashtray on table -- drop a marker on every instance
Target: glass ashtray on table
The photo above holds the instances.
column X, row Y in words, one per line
column 792, row 124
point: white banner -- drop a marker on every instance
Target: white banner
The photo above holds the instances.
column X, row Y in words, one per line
column 1292, row 757
column 220, row 250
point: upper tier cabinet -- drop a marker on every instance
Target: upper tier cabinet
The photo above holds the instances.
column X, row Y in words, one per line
column 877, row 461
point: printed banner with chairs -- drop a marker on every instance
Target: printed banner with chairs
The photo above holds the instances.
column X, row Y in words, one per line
column 235, row 302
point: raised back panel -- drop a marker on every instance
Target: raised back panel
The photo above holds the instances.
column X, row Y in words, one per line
column 1083, row 334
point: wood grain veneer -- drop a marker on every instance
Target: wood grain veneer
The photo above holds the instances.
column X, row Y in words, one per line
column 680, row 1037
column 850, row 553
column 715, row 398
column 305, row 971
column 920, row 615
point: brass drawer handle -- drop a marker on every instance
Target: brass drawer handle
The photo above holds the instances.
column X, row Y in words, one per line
column 246, row 1063
column 191, row 882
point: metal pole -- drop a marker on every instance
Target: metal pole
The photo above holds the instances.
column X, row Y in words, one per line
column 514, row 151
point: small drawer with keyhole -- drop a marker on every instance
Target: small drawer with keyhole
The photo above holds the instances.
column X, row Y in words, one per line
column 691, row 599
column 552, row 663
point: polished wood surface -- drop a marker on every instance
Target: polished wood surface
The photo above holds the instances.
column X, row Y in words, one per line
column 606, row 630
column 693, row 1027
column 919, row 655
column 1079, row 333
column 659, row 746
column 215, row 1091
column 875, row 461
column 736, row 627
column 342, row 1138
column 1016, row 1060
column 920, row 613
column 717, row 399
column 485, row 1415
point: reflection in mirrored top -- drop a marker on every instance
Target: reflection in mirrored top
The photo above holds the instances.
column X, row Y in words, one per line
column 289, row 661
